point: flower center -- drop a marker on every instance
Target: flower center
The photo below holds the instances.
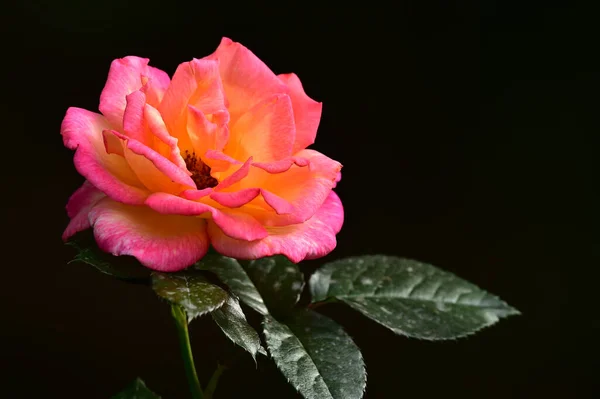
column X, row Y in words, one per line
column 200, row 171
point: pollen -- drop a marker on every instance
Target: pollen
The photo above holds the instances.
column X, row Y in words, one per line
column 199, row 170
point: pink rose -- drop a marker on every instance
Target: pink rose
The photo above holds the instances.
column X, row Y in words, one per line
column 217, row 155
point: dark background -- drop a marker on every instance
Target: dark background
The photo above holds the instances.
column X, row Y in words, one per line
column 465, row 133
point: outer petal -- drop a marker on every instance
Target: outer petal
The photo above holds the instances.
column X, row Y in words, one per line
column 307, row 112
column 337, row 179
column 196, row 83
column 78, row 207
column 125, row 76
column 309, row 240
column 161, row 242
column 266, row 132
column 134, row 120
column 110, row 173
column 235, row 224
column 246, row 79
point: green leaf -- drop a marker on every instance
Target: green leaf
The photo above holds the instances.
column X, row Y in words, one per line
column 229, row 271
column 316, row 356
column 409, row 297
column 136, row 390
column 232, row 321
column 279, row 281
column 190, row 290
column 123, row 267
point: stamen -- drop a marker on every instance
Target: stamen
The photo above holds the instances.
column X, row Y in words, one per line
column 200, row 171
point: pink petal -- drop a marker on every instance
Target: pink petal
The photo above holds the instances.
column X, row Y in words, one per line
column 125, row 76
column 110, row 173
column 134, row 121
column 309, row 240
column 156, row 172
column 196, row 83
column 235, row 199
column 303, row 188
column 161, row 242
column 280, row 205
column 196, row 194
column 155, row 86
column 218, row 161
column 307, row 112
column 266, row 132
column 235, row 224
column 204, row 134
column 282, row 165
column 143, row 123
column 236, row 176
column 164, row 143
column 78, row 207
column 246, row 79
column 112, row 144
column 337, row 179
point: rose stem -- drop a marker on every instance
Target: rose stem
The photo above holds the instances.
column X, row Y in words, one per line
column 180, row 318
column 214, row 380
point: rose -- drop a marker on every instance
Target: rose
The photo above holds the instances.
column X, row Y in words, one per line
column 217, row 155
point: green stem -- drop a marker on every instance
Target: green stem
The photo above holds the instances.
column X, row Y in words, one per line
column 180, row 318
column 214, row 380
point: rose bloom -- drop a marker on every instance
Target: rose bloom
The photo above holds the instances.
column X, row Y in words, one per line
column 217, row 155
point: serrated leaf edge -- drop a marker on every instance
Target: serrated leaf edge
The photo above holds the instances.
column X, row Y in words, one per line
column 402, row 333
column 507, row 309
column 364, row 384
column 265, row 320
column 198, row 314
column 231, row 339
column 261, row 311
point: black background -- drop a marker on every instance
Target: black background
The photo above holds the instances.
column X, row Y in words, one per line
column 465, row 134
